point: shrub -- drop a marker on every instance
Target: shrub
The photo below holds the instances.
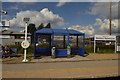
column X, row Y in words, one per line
column 21, row 50
column 89, row 49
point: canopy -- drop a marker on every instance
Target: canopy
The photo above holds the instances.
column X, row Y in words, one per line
column 59, row 31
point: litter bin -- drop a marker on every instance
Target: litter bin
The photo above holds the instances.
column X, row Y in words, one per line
column 68, row 50
column 53, row 51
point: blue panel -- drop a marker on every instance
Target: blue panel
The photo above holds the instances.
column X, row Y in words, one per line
column 45, row 31
column 61, row 52
column 34, row 44
column 75, row 32
column 59, row 31
column 81, row 51
column 42, row 51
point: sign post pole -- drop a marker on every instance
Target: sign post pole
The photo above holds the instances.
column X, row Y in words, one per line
column 25, row 44
column 115, row 46
column 94, row 44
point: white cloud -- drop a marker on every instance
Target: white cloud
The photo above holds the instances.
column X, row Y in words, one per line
column 37, row 17
column 98, row 22
column 103, row 26
column 88, row 30
column 99, row 27
column 62, row 2
column 103, row 9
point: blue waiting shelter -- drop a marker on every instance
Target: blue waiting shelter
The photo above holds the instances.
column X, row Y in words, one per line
column 63, row 32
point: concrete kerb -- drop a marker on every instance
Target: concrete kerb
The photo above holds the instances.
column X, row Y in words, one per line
column 65, row 60
column 76, row 58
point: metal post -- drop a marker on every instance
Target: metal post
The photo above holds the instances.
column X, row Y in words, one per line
column 115, row 46
column 64, row 41
column 25, row 44
column 25, row 51
column 77, row 41
column 26, row 31
column 94, row 44
column 110, row 16
column 34, row 44
column 84, row 41
column 68, row 40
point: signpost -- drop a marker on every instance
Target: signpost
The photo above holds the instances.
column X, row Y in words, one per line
column 104, row 38
column 25, row 44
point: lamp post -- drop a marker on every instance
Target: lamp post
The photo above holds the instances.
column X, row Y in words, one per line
column 25, row 44
column 110, row 17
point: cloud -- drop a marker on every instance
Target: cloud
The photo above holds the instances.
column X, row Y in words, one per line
column 88, row 30
column 62, row 2
column 103, row 9
column 37, row 17
column 103, row 26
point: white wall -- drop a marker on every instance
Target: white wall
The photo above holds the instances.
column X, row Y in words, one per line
column 7, row 41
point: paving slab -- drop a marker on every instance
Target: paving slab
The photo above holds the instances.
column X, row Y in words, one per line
column 91, row 56
column 49, row 59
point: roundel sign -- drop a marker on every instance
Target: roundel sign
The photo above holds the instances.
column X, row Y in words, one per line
column 25, row 44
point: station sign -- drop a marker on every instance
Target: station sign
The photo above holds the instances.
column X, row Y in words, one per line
column 26, row 20
column 25, row 44
column 105, row 37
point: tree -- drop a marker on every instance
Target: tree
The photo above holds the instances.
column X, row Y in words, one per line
column 48, row 25
column 31, row 30
column 40, row 26
column 44, row 36
column 48, row 37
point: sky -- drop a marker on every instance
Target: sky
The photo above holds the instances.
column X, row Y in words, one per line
column 88, row 17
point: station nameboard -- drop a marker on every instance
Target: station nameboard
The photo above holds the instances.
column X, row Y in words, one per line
column 105, row 37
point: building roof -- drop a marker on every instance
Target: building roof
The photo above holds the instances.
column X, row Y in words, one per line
column 59, row 31
column 6, row 32
column 9, row 32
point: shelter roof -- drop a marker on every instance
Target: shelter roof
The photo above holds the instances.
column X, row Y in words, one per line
column 59, row 31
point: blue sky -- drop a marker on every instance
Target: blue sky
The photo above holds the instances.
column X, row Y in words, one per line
column 72, row 14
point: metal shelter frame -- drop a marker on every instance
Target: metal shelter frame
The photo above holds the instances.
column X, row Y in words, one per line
column 52, row 33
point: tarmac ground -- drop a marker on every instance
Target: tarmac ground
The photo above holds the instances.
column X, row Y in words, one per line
column 92, row 66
